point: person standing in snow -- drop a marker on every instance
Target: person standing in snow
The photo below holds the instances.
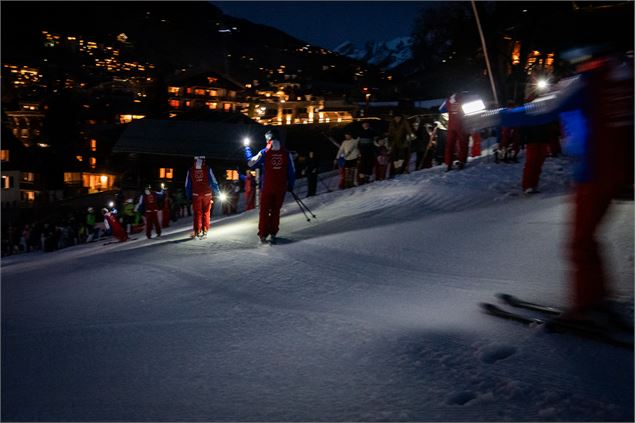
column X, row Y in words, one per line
column 249, row 180
column 383, row 158
column 420, row 142
column 431, row 150
column 595, row 109
column 90, row 225
column 400, row 135
column 128, row 215
column 537, row 141
column 277, row 176
column 165, row 209
column 149, row 206
column 311, row 170
column 110, row 221
column 367, row 137
column 349, row 152
column 200, row 187
column 458, row 138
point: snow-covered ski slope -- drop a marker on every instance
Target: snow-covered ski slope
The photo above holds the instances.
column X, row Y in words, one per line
column 367, row 313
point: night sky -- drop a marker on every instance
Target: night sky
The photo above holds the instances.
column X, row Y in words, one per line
column 329, row 23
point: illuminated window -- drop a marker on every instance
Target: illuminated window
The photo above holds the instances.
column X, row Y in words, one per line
column 227, row 107
column 199, row 91
column 213, row 93
column 28, row 196
column 72, row 177
column 212, row 105
column 516, row 53
column 4, row 155
column 93, row 145
column 211, row 80
column 174, row 90
column 7, row 182
column 175, row 104
column 231, row 175
column 28, row 177
column 188, row 90
column 92, row 162
column 188, row 103
column 166, row 173
column 129, row 118
column 80, row 158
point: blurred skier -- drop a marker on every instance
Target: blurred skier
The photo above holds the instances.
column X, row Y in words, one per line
column 595, row 109
column 200, row 187
column 277, row 176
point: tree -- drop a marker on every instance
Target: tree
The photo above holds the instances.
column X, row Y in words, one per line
column 445, row 33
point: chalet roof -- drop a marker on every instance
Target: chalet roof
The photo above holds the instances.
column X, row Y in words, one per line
column 215, row 140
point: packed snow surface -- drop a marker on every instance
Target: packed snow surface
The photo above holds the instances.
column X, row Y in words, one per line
column 369, row 312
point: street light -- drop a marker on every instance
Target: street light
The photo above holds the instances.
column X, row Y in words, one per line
column 223, row 197
column 246, row 141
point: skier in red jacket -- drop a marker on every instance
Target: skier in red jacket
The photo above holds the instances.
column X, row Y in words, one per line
column 149, row 205
column 458, row 138
column 595, row 110
column 200, row 187
column 110, row 220
column 276, row 178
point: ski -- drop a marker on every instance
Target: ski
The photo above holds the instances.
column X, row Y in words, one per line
column 517, row 302
column 558, row 326
column 118, row 242
column 615, row 321
column 495, row 310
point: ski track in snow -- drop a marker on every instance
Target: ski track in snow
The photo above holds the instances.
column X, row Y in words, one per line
column 366, row 313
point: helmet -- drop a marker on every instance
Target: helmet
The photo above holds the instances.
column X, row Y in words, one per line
column 271, row 134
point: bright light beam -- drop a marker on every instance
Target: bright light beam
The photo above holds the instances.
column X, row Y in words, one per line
column 473, row 107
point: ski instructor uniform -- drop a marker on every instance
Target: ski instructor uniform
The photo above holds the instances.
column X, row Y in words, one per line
column 595, row 109
column 200, row 183
column 276, row 178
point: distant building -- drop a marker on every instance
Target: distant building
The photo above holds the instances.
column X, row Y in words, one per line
column 208, row 90
column 161, row 151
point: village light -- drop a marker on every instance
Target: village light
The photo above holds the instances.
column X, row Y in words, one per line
column 111, row 204
column 473, row 107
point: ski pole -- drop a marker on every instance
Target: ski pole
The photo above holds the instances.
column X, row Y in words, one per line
column 300, row 205
column 303, row 205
